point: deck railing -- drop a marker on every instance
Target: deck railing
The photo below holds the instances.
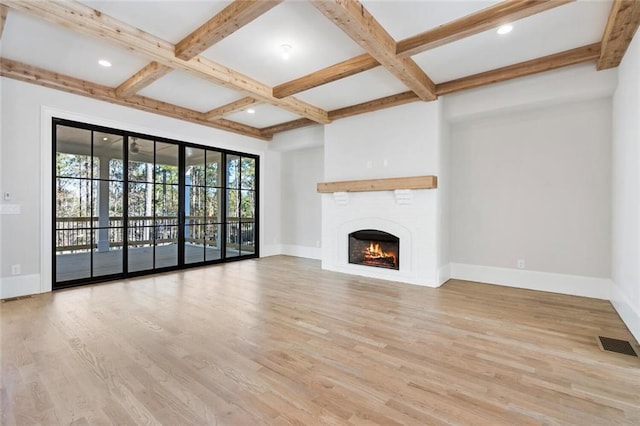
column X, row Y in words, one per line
column 73, row 234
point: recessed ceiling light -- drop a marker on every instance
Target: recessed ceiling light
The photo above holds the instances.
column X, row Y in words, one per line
column 285, row 50
column 251, row 111
column 105, row 139
column 104, row 63
column 505, row 29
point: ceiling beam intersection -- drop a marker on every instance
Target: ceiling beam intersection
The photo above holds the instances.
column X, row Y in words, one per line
column 354, row 19
column 143, row 78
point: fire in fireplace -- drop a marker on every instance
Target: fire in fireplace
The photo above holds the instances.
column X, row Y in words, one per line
column 371, row 247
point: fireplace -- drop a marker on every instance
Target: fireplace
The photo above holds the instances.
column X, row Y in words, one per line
column 371, row 247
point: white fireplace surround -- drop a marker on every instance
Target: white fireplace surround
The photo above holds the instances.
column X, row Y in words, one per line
column 411, row 217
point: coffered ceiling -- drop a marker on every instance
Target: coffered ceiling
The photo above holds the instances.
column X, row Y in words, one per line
column 220, row 63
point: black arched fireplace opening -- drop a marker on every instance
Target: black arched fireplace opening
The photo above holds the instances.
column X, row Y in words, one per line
column 371, row 247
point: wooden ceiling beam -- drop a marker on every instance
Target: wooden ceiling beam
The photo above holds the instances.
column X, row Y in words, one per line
column 30, row 74
column 374, row 105
column 475, row 23
column 534, row 66
column 147, row 75
column 289, row 125
column 4, row 10
column 362, row 27
column 230, row 19
column 622, row 24
column 336, row 114
column 85, row 20
column 335, row 72
column 229, row 108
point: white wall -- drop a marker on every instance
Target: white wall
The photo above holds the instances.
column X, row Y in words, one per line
column 535, row 185
column 25, row 170
column 626, row 190
column 301, row 203
column 395, row 142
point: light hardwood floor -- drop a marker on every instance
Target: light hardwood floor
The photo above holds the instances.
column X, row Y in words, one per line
column 279, row 341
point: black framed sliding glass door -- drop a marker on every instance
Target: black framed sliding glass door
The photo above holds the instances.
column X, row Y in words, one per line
column 153, row 204
column 130, row 204
column 88, row 183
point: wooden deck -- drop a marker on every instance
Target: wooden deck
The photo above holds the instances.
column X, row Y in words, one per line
column 279, row 341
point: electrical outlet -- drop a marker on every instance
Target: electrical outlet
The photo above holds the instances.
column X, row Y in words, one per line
column 15, row 269
column 7, row 196
column 520, row 264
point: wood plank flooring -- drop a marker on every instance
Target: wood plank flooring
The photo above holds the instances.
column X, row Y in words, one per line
column 279, row 341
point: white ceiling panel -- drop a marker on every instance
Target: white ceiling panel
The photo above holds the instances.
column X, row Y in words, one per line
column 265, row 115
column 171, row 20
column 188, row 91
column 41, row 44
column 362, row 87
column 404, row 19
column 539, row 35
column 255, row 49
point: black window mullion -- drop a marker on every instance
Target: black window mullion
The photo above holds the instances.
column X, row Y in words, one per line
column 91, row 212
column 182, row 182
column 125, row 205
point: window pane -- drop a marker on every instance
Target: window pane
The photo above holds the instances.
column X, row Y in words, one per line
column 247, row 204
column 233, row 204
column 166, row 246
column 141, row 160
column 194, row 243
column 248, row 173
column 166, row 197
column 195, row 205
column 73, row 198
column 233, row 239
column 108, row 152
column 194, row 163
column 213, row 205
column 212, row 242
column 140, row 201
column 107, row 257
column 73, row 152
column 247, row 235
column 140, row 248
column 166, row 163
column 214, row 168
column 233, row 171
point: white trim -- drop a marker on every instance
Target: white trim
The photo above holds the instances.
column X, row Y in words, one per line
column 630, row 314
column 267, row 250
column 598, row 288
column 302, row 251
column 444, row 274
column 21, row 285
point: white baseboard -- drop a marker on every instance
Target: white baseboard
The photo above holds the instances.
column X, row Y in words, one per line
column 270, row 250
column 630, row 314
column 598, row 288
column 444, row 274
column 20, row 285
column 302, row 251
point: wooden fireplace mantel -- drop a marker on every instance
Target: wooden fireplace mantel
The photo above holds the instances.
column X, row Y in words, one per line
column 391, row 184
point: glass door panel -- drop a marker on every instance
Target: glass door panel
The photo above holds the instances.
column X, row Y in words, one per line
column 140, row 211
column 166, row 196
column 195, row 203
column 88, row 204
